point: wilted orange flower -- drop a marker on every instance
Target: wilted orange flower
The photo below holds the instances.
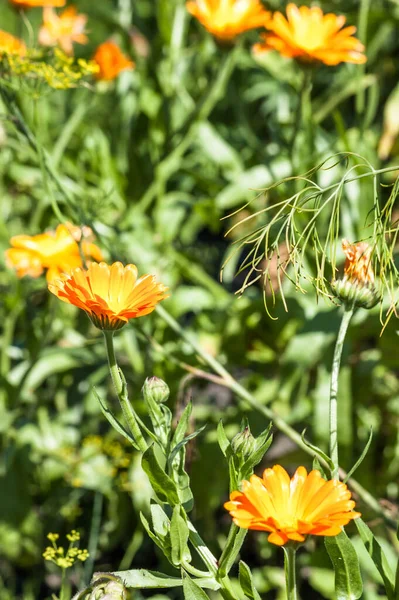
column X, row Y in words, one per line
column 291, row 509
column 110, row 295
column 358, row 267
column 57, row 251
column 309, row 35
column 34, row 3
column 64, row 29
column 226, row 19
column 10, row 44
column 111, row 61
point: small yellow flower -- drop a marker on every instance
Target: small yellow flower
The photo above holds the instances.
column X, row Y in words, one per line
column 311, row 36
column 291, row 509
column 64, row 29
column 110, row 295
column 226, row 19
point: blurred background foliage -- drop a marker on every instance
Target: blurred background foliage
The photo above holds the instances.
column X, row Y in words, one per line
column 155, row 163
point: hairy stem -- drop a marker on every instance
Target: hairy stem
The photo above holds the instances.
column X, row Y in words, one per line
column 339, row 344
column 290, row 574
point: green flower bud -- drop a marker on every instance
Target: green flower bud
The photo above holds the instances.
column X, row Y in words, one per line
column 354, row 293
column 155, row 389
column 243, row 443
column 105, row 586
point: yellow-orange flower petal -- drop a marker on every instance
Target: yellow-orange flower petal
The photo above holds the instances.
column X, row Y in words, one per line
column 57, row 252
column 309, row 35
column 226, row 19
column 64, row 29
column 111, row 61
column 358, row 267
column 110, row 295
column 291, row 509
column 35, row 3
column 10, row 44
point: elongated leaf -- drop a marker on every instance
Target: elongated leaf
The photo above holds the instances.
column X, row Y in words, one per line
column 348, row 581
column 376, row 552
column 179, row 536
column 162, row 484
column 361, row 458
column 143, row 579
column 246, row 582
column 318, row 451
column 256, row 457
column 180, row 445
column 192, row 590
column 222, row 438
column 162, row 543
column 160, row 520
column 182, row 425
column 231, row 550
column 113, row 421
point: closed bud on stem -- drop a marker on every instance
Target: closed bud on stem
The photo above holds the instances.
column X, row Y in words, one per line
column 243, row 443
column 155, row 389
column 104, row 586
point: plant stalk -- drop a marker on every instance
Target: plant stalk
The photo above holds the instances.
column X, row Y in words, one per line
column 290, row 574
column 336, row 364
column 121, row 391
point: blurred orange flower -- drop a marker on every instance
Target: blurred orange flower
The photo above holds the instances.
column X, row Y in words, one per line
column 57, row 251
column 290, row 509
column 33, row 3
column 358, row 267
column 226, row 19
column 110, row 295
column 309, row 35
column 111, row 61
column 10, row 44
column 64, row 29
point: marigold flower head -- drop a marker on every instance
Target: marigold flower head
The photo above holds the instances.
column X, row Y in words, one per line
column 226, row 19
column 111, row 61
column 35, row 3
column 11, row 45
column 55, row 251
column 358, row 266
column 291, row 509
column 110, row 295
column 64, row 29
column 309, row 35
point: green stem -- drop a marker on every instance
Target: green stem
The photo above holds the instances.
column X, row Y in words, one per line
column 238, row 389
column 362, row 35
column 339, row 344
column 63, row 591
column 94, row 535
column 290, row 574
column 121, row 391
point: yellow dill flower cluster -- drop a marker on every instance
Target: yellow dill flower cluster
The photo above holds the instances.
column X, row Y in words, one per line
column 53, row 67
column 65, row 558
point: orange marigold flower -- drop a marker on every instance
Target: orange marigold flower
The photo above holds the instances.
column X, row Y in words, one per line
column 57, row 251
column 111, row 61
column 64, row 29
column 309, row 35
column 226, row 19
column 291, row 509
column 34, row 3
column 110, row 295
column 358, row 266
column 10, row 44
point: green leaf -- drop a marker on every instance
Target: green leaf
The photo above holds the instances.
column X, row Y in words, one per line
column 143, row 579
column 179, row 534
column 246, row 582
column 222, row 438
column 257, row 456
column 160, row 520
column 376, row 552
column 162, row 543
column 231, row 549
column 180, row 445
column 318, row 451
column 182, row 425
column 361, row 458
column 162, row 484
column 113, row 421
column 348, row 580
column 192, row 591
